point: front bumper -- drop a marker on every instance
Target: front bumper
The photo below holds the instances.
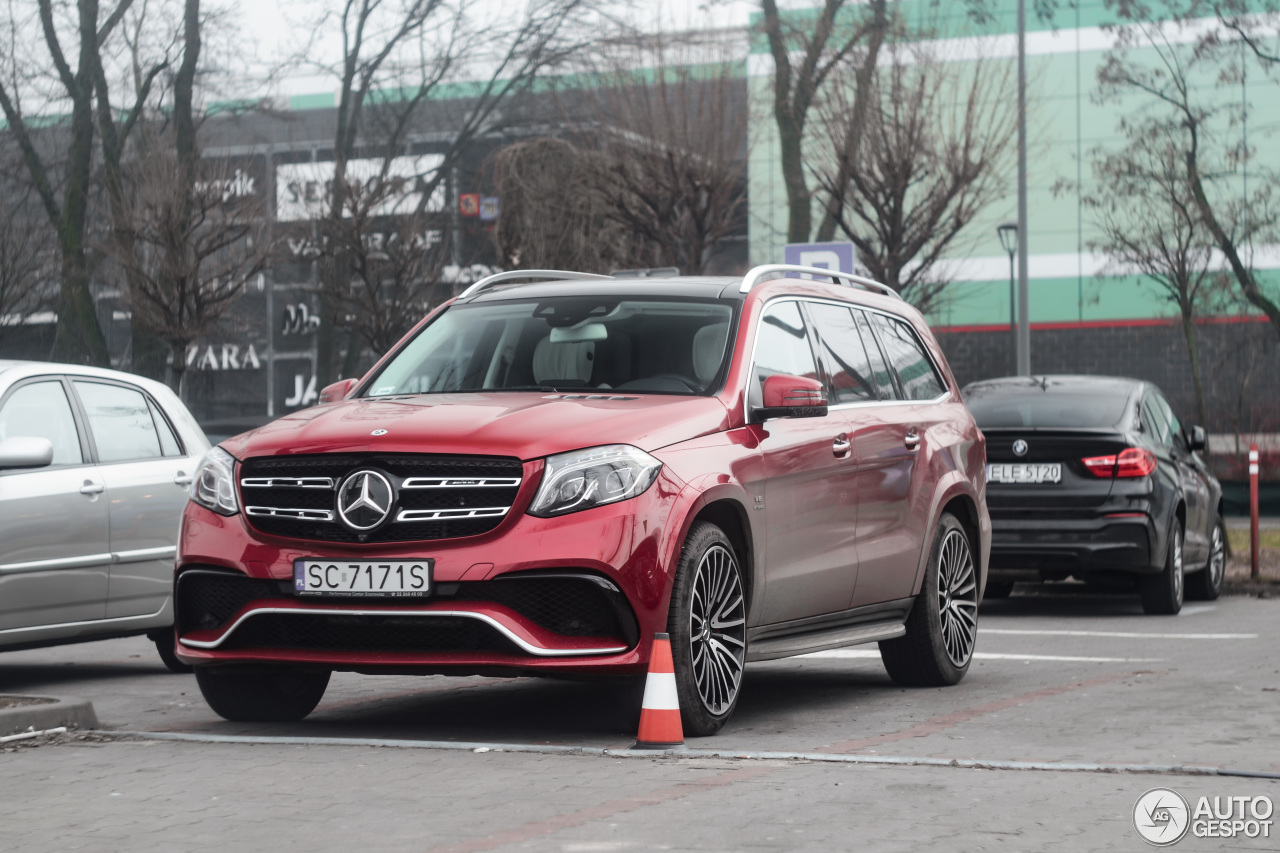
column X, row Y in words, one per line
column 576, row 594
column 1045, row 549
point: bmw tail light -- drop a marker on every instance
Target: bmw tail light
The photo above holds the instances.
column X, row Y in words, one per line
column 1131, row 462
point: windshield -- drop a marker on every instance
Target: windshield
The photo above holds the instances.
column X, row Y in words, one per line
column 627, row 344
column 1035, row 407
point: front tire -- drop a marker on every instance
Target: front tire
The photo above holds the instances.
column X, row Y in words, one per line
column 942, row 629
column 281, row 696
column 1162, row 593
column 1206, row 584
column 164, row 647
column 708, row 628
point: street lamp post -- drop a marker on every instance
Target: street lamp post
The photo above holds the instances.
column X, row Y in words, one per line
column 1008, row 232
column 1024, row 318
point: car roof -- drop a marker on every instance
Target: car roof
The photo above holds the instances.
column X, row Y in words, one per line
column 21, row 369
column 704, row 287
column 1060, row 382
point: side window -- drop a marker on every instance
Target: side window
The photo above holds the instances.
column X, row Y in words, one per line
column 781, row 347
column 879, row 371
column 916, row 376
column 41, row 410
column 1175, row 427
column 1153, row 420
column 844, row 358
column 169, row 445
column 120, row 422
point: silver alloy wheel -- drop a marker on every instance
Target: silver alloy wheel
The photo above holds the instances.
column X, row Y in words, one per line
column 957, row 598
column 717, row 629
column 1177, row 565
column 1217, row 558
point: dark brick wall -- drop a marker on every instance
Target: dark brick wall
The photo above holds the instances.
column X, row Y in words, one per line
column 1239, row 362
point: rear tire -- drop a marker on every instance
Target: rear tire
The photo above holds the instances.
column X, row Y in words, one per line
column 164, row 647
column 1162, row 593
column 1206, row 584
column 708, row 628
column 281, row 696
column 997, row 589
column 942, row 629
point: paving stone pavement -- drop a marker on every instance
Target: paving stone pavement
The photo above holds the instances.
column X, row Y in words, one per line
column 1062, row 677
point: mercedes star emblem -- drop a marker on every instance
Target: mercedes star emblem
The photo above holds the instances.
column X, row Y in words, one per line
column 364, row 500
column 378, row 432
column 1019, row 448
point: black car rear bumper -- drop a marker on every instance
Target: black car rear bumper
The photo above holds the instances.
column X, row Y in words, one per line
column 1042, row 549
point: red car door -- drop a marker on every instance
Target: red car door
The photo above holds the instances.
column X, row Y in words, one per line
column 810, row 502
column 892, row 447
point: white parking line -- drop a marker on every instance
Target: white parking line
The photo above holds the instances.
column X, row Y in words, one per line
column 867, row 653
column 1122, row 634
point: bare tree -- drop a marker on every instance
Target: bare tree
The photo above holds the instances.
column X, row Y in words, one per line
column 1147, row 220
column 400, row 59
column 913, row 155
column 670, row 125
column 189, row 251
column 25, row 269
column 554, row 212
column 79, row 337
column 1192, row 114
column 805, row 53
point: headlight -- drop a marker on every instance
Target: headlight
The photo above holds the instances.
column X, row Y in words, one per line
column 214, row 486
column 593, row 477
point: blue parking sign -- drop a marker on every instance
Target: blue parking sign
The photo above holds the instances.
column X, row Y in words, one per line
column 827, row 256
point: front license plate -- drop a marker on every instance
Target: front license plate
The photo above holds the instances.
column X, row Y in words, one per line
column 1025, row 472
column 393, row 578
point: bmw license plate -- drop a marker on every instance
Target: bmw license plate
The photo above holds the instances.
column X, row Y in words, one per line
column 391, row 578
column 1025, row 472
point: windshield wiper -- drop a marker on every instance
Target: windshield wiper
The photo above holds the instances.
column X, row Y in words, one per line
column 546, row 388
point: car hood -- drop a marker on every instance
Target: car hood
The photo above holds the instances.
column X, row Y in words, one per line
column 524, row 425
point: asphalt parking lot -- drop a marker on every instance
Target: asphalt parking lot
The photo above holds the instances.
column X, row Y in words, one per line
column 1059, row 680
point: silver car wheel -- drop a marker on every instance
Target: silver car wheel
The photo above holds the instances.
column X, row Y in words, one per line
column 957, row 598
column 1178, row 578
column 1217, row 558
column 717, row 629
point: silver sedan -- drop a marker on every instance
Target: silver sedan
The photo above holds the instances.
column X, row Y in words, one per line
column 95, row 467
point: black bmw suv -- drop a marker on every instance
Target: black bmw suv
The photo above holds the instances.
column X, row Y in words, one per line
column 1094, row 477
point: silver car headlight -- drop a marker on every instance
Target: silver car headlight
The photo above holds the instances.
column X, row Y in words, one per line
column 593, row 477
column 214, row 484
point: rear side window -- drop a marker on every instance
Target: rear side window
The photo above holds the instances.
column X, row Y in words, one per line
column 916, row 375
column 782, row 347
column 168, row 441
column 1154, row 420
column 844, row 358
column 879, row 370
column 41, row 410
column 120, row 421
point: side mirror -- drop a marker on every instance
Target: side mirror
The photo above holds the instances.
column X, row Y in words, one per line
column 1197, row 439
column 26, row 452
column 791, row 397
column 337, row 391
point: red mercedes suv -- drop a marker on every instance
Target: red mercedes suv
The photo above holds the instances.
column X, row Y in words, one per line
column 542, row 475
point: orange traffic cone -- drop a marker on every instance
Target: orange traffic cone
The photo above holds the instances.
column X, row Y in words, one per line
column 660, row 710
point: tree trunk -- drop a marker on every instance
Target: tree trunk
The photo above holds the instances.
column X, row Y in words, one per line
column 799, row 199
column 79, row 338
column 1189, row 332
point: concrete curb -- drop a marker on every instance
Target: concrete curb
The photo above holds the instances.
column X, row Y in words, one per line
column 50, row 713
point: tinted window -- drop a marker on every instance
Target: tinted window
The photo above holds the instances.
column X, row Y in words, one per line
column 1045, row 406
column 1175, row 427
column 41, row 410
column 632, row 344
column 782, row 347
column 916, row 376
column 843, row 357
column 120, row 421
column 879, row 371
column 1154, row 420
column 168, row 441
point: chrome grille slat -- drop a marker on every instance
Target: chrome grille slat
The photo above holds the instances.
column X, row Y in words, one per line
column 287, row 482
column 447, row 514
column 288, row 512
column 460, row 483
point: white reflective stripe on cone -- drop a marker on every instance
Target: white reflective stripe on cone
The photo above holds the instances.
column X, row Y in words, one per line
column 1253, row 468
column 660, row 692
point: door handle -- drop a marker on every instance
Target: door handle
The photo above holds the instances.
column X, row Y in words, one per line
column 92, row 488
column 841, row 446
column 182, row 479
column 912, row 441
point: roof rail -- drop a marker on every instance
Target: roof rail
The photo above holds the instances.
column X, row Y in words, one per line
column 511, row 275
column 758, row 274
